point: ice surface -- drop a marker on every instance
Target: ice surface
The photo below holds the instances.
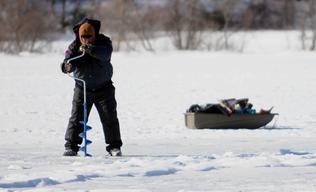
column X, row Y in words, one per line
column 153, row 91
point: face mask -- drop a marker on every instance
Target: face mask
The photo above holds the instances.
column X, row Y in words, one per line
column 87, row 34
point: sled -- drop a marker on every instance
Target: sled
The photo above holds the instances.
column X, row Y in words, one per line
column 221, row 121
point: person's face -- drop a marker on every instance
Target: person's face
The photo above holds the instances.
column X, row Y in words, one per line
column 87, row 34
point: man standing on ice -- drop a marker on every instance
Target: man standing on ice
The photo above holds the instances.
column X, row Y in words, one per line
column 96, row 69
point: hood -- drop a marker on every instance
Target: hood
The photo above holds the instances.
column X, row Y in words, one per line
column 95, row 23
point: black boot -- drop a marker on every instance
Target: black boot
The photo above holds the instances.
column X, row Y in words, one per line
column 70, row 152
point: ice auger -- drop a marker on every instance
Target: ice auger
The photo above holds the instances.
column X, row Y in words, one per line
column 86, row 128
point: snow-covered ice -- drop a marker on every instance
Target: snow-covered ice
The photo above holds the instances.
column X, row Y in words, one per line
column 153, row 91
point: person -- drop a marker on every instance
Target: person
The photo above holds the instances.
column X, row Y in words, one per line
column 96, row 69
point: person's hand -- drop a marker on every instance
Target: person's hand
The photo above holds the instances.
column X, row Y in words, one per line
column 68, row 67
column 86, row 48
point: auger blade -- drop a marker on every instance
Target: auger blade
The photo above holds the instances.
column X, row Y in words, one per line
column 88, row 142
column 88, row 128
column 81, row 135
column 83, row 148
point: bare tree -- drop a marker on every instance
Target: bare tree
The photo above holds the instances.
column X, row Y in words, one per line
column 312, row 15
column 227, row 9
column 145, row 25
column 308, row 24
column 185, row 23
column 25, row 22
column 303, row 23
column 288, row 14
column 116, row 17
column 130, row 24
column 63, row 15
column 222, row 24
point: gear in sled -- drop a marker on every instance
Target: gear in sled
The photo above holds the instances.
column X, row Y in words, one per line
column 227, row 114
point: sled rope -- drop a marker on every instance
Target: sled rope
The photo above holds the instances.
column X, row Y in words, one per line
column 275, row 121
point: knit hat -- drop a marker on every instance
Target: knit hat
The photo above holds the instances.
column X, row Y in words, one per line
column 87, row 33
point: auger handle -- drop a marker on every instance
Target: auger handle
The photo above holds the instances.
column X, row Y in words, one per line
column 84, row 83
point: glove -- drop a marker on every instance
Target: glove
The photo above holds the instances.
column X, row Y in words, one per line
column 68, row 67
column 87, row 48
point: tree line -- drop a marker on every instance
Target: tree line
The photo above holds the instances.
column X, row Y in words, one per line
column 188, row 24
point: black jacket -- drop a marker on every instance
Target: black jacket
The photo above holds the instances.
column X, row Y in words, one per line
column 95, row 68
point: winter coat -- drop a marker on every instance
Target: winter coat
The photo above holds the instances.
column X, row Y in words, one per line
column 94, row 68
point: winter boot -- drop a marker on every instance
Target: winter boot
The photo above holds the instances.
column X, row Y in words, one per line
column 115, row 152
column 70, row 152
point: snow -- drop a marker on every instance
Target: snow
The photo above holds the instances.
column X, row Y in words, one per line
column 153, row 91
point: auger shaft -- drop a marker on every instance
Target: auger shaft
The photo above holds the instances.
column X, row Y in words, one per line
column 84, row 122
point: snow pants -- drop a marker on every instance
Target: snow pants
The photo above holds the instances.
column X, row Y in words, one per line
column 105, row 103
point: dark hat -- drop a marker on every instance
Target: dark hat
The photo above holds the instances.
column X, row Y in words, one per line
column 95, row 23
